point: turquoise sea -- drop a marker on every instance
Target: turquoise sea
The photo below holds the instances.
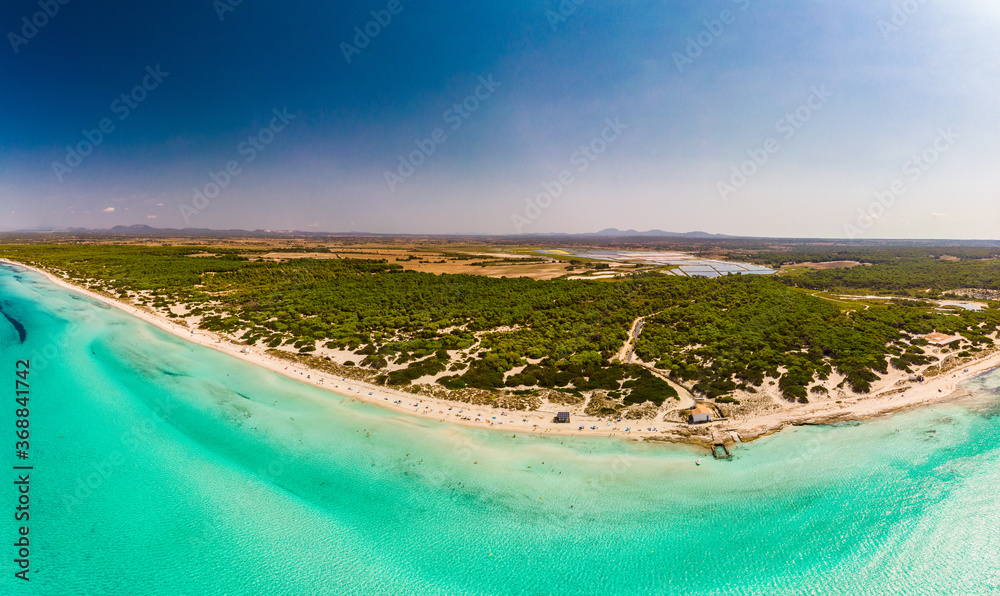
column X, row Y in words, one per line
column 163, row 468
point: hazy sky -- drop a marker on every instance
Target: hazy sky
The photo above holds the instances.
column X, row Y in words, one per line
column 448, row 117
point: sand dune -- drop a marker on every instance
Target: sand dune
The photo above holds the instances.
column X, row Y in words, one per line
column 891, row 394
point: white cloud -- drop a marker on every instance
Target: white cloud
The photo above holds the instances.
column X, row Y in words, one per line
column 150, row 217
column 937, row 215
column 109, row 210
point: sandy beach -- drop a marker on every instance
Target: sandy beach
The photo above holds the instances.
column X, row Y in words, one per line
column 888, row 399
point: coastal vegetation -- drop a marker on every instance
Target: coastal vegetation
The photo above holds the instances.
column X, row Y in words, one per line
column 462, row 333
column 908, row 271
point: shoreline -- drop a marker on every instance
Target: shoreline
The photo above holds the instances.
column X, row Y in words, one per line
column 935, row 390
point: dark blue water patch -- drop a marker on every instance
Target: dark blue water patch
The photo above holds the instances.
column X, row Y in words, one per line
column 22, row 333
column 13, row 269
column 17, row 272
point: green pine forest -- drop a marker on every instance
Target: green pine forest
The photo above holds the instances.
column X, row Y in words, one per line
column 518, row 335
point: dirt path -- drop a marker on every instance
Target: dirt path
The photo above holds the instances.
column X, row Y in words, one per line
column 625, row 353
column 628, row 350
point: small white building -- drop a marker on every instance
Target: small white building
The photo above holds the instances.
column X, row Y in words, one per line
column 700, row 415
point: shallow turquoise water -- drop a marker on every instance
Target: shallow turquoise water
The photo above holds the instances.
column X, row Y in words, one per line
column 165, row 468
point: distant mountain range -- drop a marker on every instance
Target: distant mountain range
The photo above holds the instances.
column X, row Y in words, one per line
column 615, row 232
column 144, row 230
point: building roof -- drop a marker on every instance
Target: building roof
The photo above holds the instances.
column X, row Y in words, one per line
column 941, row 338
column 701, row 410
column 562, row 414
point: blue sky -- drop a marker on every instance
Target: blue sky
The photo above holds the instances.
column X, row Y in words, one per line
column 698, row 87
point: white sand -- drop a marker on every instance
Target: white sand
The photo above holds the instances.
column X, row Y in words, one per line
column 853, row 407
